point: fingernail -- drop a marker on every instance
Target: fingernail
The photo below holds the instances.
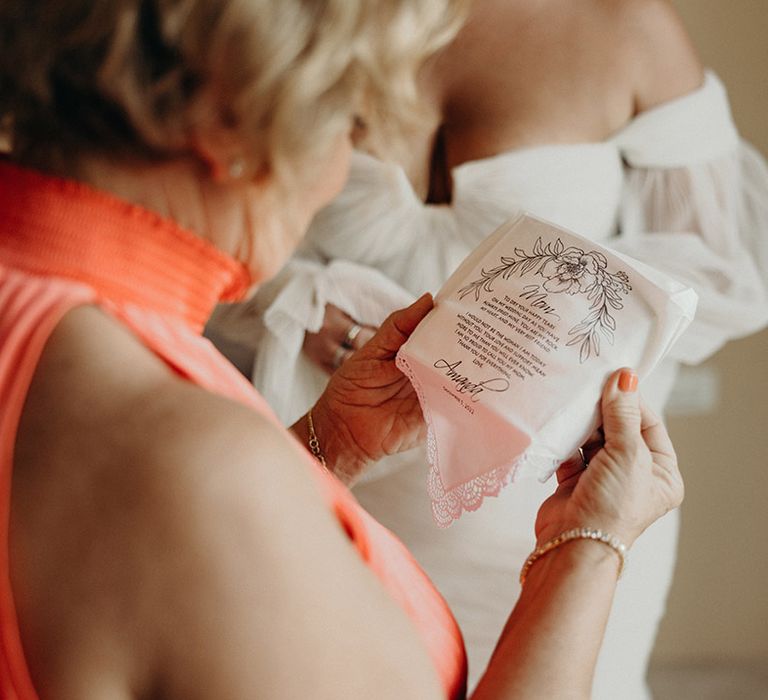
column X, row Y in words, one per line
column 421, row 301
column 627, row 380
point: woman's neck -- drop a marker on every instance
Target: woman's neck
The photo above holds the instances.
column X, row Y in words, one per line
column 179, row 190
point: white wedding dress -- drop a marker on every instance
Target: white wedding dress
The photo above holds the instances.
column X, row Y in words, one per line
column 676, row 188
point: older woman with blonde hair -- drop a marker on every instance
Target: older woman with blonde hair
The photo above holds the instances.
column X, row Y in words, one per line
column 163, row 536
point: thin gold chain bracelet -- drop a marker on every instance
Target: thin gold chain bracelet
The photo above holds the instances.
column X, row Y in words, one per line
column 314, row 443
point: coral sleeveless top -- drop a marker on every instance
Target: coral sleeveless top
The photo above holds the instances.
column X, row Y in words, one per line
column 62, row 245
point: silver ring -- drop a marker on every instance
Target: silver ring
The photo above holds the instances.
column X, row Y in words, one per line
column 583, row 458
column 349, row 338
column 339, row 356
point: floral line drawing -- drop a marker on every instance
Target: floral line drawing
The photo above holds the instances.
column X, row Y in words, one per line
column 573, row 271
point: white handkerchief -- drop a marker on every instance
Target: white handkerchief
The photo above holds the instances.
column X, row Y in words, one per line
column 510, row 364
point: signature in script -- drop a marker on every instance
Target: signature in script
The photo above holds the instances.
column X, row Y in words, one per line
column 464, row 385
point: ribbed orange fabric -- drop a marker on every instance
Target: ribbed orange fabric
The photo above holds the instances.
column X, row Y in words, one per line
column 62, row 245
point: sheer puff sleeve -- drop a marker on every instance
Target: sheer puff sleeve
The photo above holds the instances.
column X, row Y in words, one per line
column 695, row 204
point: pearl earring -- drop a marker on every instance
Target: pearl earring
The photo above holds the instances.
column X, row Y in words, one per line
column 237, row 168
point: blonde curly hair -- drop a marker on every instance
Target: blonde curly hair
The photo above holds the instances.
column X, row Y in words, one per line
column 151, row 79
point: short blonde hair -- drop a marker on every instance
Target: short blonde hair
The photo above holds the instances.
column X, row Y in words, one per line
column 148, row 79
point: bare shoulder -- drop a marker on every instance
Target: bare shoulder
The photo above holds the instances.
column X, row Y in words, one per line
column 120, row 470
column 168, row 534
column 657, row 50
column 104, row 410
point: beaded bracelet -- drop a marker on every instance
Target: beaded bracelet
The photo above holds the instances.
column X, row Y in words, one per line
column 314, row 443
column 579, row 533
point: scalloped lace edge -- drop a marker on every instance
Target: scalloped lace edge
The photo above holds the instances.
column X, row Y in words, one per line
column 448, row 505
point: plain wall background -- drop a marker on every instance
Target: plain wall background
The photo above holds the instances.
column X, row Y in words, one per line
column 718, row 606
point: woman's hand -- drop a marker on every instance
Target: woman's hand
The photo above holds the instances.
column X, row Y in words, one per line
column 632, row 478
column 369, row 408
column 339, row 336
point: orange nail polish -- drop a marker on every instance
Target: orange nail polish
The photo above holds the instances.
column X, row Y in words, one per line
column 627, row 380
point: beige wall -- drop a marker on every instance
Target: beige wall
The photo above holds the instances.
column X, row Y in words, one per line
column 718, row 608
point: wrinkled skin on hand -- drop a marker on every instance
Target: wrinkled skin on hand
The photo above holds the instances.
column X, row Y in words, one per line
column 632, row 478
column 369, row 403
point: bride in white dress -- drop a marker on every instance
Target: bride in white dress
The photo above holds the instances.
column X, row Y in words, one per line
column 598, row 118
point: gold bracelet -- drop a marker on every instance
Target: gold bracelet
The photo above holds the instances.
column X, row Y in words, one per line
column 579, row 533
column 314, row 443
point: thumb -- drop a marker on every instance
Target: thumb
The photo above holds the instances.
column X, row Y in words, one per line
column 398, row 326
column 621, row 409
